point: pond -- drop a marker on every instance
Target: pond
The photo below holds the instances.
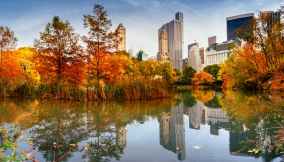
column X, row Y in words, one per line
column 197, row 126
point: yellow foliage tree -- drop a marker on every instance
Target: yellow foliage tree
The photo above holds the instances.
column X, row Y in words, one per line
column 25, row 57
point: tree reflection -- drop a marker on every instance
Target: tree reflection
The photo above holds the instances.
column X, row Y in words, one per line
column 60, row 130
column 256, row 120
column 188, row 99
column 104, row 146
column 97, row 132
column 214, row 103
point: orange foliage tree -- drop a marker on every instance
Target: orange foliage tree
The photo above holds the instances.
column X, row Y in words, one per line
column 59, row 59
column 202, row 78
column 9, row 70
column 246, row 64
column 115, row 67
column 11, row 74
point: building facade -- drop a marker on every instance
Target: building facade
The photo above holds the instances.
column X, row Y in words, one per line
column 238, row 24
column 202, row 55
column 194, row 59
column 163, row 54
column 212, row 40
column 218, row 53
column 171, row 41
column 121, row 38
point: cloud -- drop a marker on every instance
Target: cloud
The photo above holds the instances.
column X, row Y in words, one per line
column 133, row 3
column 142, row 18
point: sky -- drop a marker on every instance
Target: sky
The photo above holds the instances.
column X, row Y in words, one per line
column 142, row 18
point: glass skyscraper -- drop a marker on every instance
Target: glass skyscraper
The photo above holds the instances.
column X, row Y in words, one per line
column 171, row 41
column 239, row 23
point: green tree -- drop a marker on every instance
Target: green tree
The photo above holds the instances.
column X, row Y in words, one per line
column 188, row 99
column 213, row 70
column 187, row 75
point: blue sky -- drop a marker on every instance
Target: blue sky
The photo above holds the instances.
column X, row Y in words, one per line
column 142, row 18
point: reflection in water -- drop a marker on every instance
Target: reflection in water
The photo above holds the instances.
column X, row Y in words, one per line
column 71, row 132
column 201, row 114
column 172, row 131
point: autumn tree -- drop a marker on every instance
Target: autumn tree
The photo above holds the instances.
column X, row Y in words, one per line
column 269, row 39
column 59, row 53
column 245, row 68
column 266, row 35
column 11, row 74
column 202, row 78
column 9, row 69
column 7, row 40
column 213, row 70
column 99, row 41
column 25, row 56
column 166, row 71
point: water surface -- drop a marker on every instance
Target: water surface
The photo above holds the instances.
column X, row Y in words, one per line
column 198, row 126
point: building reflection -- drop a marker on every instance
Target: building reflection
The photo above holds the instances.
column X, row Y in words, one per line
column 172, row 131
column 121, row 133
column 200, row 114
column 196, row 115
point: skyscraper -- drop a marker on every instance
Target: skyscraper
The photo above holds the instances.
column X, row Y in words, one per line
column 194, row 59
column 163, row 54
column 238, row 24
column 121, row 38
column 171, row 41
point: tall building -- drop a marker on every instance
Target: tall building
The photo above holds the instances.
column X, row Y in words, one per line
column 121, row 37
column 238, row 24
column 194, row 56
column 163, row 54
column 171, row 41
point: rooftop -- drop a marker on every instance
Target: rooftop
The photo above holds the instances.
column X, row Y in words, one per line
column 240, row 16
